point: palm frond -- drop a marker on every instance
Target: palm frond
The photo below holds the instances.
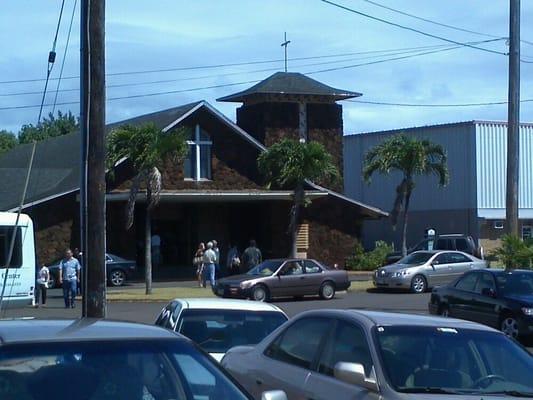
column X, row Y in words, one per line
column 153, row 187
column 132, row 198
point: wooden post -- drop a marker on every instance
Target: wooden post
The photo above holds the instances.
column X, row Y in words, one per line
column 513, row 126
column 93, row 120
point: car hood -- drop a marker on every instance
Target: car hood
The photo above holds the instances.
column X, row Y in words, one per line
column 526, row 299
column 236, row 279
column 398, row 267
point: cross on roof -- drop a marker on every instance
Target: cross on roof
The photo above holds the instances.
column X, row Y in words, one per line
column 285, row 44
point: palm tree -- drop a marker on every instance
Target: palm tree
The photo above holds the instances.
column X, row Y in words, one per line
column 411, row 157
column 147, row 147
column 289, row 164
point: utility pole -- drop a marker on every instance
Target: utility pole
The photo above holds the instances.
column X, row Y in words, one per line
column 513, row 125
column 92, row 122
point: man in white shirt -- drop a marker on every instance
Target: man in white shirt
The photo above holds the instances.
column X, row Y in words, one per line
column 210, row 258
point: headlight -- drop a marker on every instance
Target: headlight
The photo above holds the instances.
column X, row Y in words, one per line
column 245, row 285
column 401, row 273
column 528, row 311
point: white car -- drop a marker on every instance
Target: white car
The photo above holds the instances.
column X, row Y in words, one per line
column 217, row 325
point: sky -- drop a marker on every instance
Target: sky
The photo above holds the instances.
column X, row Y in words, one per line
column 172, row 34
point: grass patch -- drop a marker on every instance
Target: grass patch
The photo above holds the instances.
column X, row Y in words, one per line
column 169, row 293
column 158, row 294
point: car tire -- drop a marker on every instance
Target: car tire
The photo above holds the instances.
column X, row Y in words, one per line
column 260, row 293
column 327, row 291
column 509, row 326
column 419, row 284
column 117, row 277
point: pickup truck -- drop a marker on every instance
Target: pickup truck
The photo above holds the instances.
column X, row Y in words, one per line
column 459, row 242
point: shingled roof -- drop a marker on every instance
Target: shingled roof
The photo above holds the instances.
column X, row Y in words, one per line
column 290, row 83
column 56, row 165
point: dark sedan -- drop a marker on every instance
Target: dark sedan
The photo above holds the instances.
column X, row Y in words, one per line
column 118, row 270
column 282, row 278
column 497, row 298
column 105, row 360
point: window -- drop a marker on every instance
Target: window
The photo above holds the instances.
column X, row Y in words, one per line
column 467, row 282
column 443, row 258
column 527, row 232
column 461, row 245
column 458, row 258
column 300, row 343
column 486, row 281
column 292, row 268
column 311, row 267
column 6, row 233
column 197, row 165
column 348, row 345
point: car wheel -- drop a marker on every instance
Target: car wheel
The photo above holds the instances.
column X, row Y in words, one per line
column 327, row 291
column 418, row 284
column 444, row 311
column 117, row 277
column 260, row 293
column 509, row 326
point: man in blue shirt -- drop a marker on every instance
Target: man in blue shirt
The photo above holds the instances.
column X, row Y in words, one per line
column 69, row 276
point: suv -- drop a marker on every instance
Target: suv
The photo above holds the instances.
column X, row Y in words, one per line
column 459, row 242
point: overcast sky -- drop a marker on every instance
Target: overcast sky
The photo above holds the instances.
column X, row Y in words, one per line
column 166, row 34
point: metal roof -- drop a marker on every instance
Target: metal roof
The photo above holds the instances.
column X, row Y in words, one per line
column 36, row 331
column 290, row 83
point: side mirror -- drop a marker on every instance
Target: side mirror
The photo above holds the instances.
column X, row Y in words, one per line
column 488, row 292
column 274, row 395
column 354, row 374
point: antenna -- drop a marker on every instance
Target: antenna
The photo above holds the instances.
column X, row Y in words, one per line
column 285, row 44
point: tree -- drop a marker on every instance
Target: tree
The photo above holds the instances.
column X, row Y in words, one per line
column 411, row 157
column 8, row 140
column 289, row 164
column 514, row 252
column 147, row 147
column 49, row 127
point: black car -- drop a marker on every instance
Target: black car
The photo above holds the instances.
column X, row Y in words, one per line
column 105, row 360
column 118, row 270
column 497, row 298
column 456, row 242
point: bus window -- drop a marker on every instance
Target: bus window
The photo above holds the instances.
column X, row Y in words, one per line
column 5, row 242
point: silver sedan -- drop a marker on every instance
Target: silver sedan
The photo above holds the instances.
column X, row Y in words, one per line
column 422, row 270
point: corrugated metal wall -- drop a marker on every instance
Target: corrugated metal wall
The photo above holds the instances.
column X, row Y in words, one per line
column 491, row 161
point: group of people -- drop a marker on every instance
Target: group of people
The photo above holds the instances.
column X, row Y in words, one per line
column 68, row 278
column 207, row 261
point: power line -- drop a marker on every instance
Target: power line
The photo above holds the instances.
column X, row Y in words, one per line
column 64, row 55
column 384, row 103
column 409, row 28
column 51, row 60
column 235, row 64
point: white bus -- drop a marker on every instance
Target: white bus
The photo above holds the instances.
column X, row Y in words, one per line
column 20, row 283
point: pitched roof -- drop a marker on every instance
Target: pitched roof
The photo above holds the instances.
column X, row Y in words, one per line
column 290, row 83
column 56, row 165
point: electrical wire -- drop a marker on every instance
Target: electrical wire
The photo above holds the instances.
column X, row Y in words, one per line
column 409, row 28
column 51, row 60
column 384, row 103
column 64, row 55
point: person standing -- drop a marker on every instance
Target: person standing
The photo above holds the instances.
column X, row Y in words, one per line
column 198, row 262
column 232, row 260
column 252, row 256
column 210, row 258
column 217, row 254
column 43, row 276
column 69, row 276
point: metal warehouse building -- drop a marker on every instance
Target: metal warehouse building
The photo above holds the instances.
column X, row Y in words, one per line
column 473, row 202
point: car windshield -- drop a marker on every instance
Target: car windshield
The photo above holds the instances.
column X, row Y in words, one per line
column 102, row 370
column 516, row 283
column 266, row 268
column 459, row 361
column 416, row 258
column 216, row 331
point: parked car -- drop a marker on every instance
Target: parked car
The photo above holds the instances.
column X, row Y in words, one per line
column 459, row 242
column 422, row 270
column 118, row 270
column 104, row 360
column 282, row 278
column 349, row 354
column 497, row 298
column 216, row 325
